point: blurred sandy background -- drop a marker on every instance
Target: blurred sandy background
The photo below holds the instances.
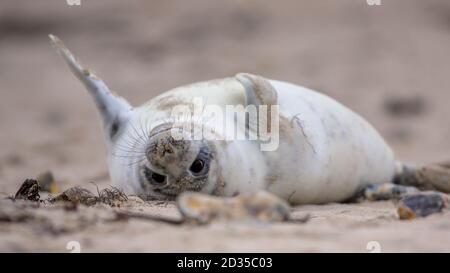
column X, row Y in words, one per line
column 390, row 63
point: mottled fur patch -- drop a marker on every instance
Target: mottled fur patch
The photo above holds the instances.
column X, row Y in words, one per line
column 167, row 103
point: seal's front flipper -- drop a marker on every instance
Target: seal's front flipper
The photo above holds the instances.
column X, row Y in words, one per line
column 260, row 94
column 427, row 177
column 258, row 90
column 113, row 109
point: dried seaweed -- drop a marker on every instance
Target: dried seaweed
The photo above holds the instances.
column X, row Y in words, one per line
column 109, row 196
column 112, row 196
column 194, row 208
column 29, row 190
column 77, row 195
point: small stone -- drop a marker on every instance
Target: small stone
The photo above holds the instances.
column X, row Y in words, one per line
column 47, row 182
column 421, row 205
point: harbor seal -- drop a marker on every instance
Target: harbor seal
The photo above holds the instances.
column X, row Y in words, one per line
column 306, row 147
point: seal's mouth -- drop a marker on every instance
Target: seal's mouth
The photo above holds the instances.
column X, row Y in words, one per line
column 168, row 193
column 173, row 192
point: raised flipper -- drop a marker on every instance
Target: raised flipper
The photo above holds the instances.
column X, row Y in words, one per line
column 258, row 90
column 113, row 109
column 260, row 94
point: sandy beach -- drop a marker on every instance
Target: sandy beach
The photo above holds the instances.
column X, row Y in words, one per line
column 389, row 63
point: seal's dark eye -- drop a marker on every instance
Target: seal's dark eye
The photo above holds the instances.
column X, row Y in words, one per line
column 197, row 166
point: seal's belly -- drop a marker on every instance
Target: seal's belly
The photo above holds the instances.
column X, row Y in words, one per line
column 326, row 151
column 336, row 151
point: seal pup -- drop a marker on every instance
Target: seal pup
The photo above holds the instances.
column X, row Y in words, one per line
column 315, row 150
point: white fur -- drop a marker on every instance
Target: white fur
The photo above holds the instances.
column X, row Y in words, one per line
column 326, row 152
column 333, row 152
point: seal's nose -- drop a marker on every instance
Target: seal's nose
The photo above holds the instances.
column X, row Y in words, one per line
column 163, row 150
column 164, row 147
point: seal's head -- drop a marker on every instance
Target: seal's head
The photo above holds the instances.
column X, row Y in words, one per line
column 176, row 164
column 154, row 164
column 158, row 163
